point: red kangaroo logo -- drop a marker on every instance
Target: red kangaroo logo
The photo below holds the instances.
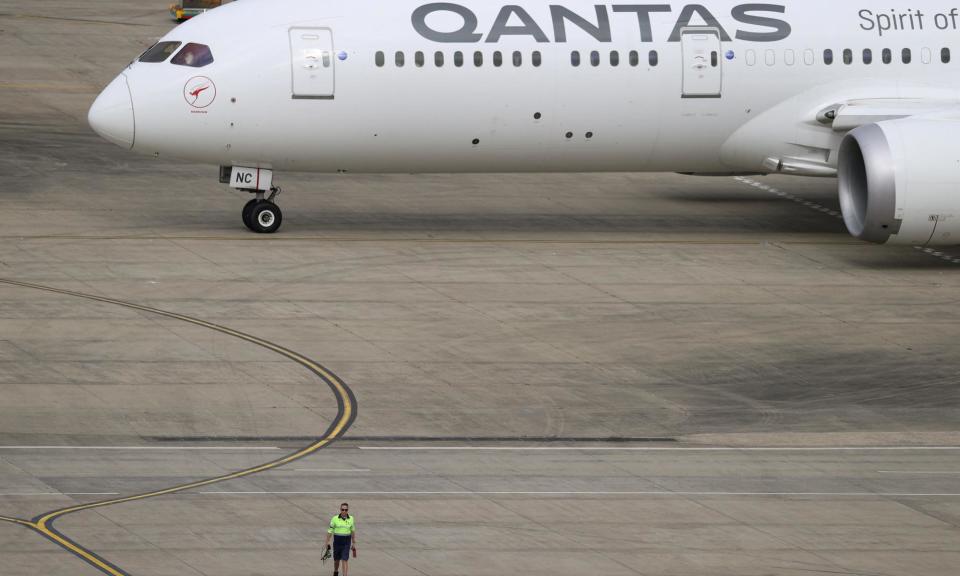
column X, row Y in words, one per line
column 196, row 93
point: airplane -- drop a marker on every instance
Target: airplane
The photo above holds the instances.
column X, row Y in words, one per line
column 868, row 95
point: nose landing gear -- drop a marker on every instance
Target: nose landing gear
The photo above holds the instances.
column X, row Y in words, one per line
column 262, row 215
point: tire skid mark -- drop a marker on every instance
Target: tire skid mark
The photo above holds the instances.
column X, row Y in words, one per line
column 346, row 414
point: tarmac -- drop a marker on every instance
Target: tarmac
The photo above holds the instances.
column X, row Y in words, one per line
column 617, row 374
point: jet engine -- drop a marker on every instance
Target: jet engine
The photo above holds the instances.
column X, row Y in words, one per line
column 900, row 182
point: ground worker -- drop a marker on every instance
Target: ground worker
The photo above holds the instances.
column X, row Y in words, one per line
column 344, row 533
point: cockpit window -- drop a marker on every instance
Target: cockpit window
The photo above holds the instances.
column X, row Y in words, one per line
column 193, row 55
column 159, row 52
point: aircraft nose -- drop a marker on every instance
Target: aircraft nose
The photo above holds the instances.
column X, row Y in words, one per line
column 111, row 115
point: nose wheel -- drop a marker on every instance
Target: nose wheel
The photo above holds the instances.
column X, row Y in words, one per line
column 262, row 215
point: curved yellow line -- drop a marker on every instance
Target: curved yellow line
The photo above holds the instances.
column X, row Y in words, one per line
column 43, row 523
column 15, row 521
column 76, row 550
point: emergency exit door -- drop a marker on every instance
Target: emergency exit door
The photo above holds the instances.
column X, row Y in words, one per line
column 702, row 64
column 312, row 55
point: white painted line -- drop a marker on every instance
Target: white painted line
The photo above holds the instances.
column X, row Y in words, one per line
column 59, row 494
column 919, row 471
column 571, row 493
column 665, row 448
column 332, row 470
column 140, row 448
column 788, row 196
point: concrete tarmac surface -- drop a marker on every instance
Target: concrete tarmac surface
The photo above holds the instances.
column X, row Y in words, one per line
column 613, row 374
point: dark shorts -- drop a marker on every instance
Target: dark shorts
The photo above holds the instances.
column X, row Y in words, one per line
column 341, row 547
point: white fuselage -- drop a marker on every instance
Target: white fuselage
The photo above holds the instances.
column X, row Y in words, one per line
column 749, row 98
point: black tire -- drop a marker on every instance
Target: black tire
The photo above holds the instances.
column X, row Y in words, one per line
column 265, row 217
column 247, row 211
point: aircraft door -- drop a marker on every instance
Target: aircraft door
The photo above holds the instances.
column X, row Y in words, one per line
column 702, row 62
column 311, row 50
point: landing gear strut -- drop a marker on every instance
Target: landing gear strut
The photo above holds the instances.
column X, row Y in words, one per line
column 262, row 215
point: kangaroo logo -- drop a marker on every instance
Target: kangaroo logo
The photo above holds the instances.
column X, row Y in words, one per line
column 200, row 92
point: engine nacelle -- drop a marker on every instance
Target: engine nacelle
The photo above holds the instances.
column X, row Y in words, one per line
column 900, row 182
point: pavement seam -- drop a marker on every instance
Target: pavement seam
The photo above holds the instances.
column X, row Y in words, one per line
column 789, row 545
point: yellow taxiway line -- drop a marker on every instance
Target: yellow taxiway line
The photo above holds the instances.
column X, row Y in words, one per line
column 346, row 413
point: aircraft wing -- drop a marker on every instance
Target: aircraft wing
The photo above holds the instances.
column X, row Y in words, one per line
column 802, row 135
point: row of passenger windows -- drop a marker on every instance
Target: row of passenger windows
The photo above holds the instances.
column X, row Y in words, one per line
column 790, row 57
column 419, row 58
column 633, row 57
column 847, row 56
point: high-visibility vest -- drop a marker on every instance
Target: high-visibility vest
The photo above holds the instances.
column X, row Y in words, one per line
column 340, row 526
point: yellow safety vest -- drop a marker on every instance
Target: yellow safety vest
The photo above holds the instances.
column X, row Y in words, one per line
column 341, row 527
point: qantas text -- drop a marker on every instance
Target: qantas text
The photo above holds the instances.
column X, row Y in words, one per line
column 760, row 19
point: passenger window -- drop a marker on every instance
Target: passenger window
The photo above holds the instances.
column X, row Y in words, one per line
column 789, row 57
column 886, row 56
column 418, row 59
column 653, row 58
column 438, row 59
column 536, row 58
column 380, row 59
column 828, row 56
column 575, row 58
column 847, row 56
column 458, row 59
column 194, row 56
column 945, row 55
column 770, row 57
column 517, row 59
column 634, row 57
column 925, row 55
column 867, row 56
column 398, row 59
column 906, row 56
column 159, row 52
column 478, row 58
column 751, row 58
column 614, row 58
column 594, row 58
column 808, row 57
column 497, row 58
